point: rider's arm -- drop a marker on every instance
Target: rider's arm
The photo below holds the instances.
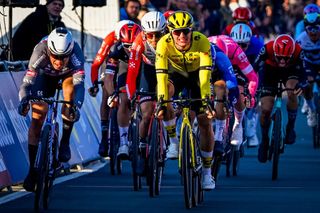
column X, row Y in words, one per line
column 246, row 68
column 205, row 68
column 37, row 61
column 134, row 66
column 108, row 41
column 225, row 69
column 77, row 60
column 161, row 66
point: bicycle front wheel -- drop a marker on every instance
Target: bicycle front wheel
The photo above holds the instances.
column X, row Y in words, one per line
column 153, row 158
column 134, row 134
column 52, row 165
column 114, row 141
column 316, row 129
column 276, row 133
column 186, row 167
column 42, row 167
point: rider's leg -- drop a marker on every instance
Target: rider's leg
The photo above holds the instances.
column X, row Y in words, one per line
column 311, row 117
column 68, row 94
column 237, row 130
column 220, row 120
column 104, row 116
column 206, row 146
column 169, row 123
column 292, row 107
column 265, row 121
column 123, row 118
column 39, row 111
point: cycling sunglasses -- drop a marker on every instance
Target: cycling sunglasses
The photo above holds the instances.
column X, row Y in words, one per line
column 59, row 57
column 126, row 45
column 313, row 28
column 151, row 35
column 285, row 58
column 185, row 31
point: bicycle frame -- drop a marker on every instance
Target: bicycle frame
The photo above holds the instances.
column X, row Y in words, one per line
column 51, row 120
column 186, row 122
column 277, row 105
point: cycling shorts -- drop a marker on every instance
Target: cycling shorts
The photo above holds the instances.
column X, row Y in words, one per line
column 147, row 82
column 191, row 84
column 270, row 77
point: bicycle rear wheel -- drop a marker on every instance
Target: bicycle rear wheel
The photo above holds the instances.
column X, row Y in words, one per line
column 42, row 167
column 134, row 134
column 186, row 167
column 316, row 129
column 153, row 157
column 114, row 141
column 276, row 134
column 53, row 164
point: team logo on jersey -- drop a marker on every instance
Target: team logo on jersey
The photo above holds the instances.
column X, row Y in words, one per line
column 132, row 65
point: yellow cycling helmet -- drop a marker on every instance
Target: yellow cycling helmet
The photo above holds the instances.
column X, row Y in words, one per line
column 180, row 20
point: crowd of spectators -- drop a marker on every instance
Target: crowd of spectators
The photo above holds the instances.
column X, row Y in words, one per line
column 270, row 16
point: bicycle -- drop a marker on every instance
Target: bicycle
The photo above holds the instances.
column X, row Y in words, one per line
column 189, row 161
column 234, row 153
column 113, row 138
column 46, row 163
column 316, row 99
column 154, row 152
column 276, row 131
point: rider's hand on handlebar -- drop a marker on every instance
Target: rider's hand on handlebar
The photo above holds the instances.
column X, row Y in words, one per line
column 112, row 100
column 300, row 87
column 24, row 107
column 94, row 89
column 211, row 114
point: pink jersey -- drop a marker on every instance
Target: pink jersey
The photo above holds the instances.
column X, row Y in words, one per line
column 238, row 58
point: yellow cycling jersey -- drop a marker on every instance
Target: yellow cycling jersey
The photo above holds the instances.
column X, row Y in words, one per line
column 197, row 57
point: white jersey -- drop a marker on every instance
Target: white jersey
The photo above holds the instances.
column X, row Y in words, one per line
column 311, row 50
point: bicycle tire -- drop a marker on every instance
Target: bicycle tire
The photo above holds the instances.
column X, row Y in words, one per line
column 134, row 134
column 215, row 167
column 42, row 167
column 50, row 178
column 161, row 156
column 316, row 128
column 186, row 169
column 197, row 192
column 235, row 160
column 114, row 140
column 153, row 157
column 276, row 134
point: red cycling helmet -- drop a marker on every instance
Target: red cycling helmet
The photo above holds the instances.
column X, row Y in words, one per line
column 242, row 14
column 129, row 32
column 283, row 49
column 168, row 13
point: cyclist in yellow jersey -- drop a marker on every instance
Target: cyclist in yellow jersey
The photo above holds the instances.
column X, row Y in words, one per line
column 183, row 60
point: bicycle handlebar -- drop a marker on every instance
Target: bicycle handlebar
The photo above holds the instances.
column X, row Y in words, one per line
column 48, row 100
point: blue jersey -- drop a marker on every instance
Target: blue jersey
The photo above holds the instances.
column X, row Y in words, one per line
column 223, row 66
column 254, row 48
column 299, row 29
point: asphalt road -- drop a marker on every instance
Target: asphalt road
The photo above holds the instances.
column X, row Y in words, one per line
column 296, row 190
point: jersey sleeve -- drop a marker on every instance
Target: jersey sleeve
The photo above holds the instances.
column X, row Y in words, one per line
column 205, row 68
column 37, row 60
column 108, row 41
column 226, row 70
column 247, row 69
column 134, row 65
column 161, row 66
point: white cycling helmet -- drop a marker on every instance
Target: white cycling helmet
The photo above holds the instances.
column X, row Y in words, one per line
column 119, row 25
column 60, row 42
column 241, row 33
column 153, row 22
